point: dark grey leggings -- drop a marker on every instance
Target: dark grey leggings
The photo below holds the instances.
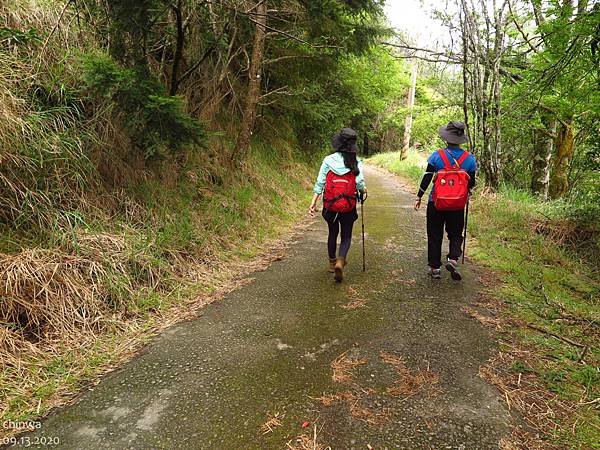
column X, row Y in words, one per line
column 335, row 222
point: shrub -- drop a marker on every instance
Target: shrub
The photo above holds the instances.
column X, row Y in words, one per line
column 156, row 123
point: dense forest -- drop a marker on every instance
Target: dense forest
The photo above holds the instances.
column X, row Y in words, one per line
column 148, row 147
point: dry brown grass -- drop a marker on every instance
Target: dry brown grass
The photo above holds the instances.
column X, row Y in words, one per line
column 565, row 232
column 356, row 398
column 66, row 307
column 356, row 301
column 409, row 383
column 343, row 368
column 338, row 397
column 524, row 392
column 307, row 442
column 487, row 320
column 373, row 417
column 355, row 304
column 541, row 410
column 353, row 399
column 50, row 295
column 273, row 422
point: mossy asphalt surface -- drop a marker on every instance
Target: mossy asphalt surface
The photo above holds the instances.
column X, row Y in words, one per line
column 267, row 348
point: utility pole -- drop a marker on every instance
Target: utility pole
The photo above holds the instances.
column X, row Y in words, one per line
column 409, row 117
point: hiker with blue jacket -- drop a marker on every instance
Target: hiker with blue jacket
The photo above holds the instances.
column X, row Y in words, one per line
column 453, row 171
column 339, row 179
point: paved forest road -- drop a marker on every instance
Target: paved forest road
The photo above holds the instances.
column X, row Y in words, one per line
column 405, row 375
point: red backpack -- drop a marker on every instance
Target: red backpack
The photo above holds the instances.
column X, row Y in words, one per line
column 451, row 184
column 340, row 192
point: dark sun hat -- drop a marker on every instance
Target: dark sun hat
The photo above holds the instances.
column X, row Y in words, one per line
column 454, row 133
column 345, row 141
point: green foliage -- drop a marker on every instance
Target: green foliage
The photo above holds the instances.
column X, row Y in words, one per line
column 373, row 86
column 412, row 168
column 45, row 168
column 560, row 79
column 11, row 37
column 543, row 284
column 75, row 188
column 157, row 124
column 351, row 26
column 435, row 105
column 128, row 25
column 360, row 91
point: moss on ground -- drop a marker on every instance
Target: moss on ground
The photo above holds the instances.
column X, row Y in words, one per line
column 550, row 295
column 178, row 241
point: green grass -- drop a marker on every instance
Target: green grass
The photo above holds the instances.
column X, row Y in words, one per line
column 411, row 168
column 185, row 224
column 542, row 284
column 148, row 234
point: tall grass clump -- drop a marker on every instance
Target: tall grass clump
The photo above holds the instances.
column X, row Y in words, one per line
column 117, row 209
column 45, row 169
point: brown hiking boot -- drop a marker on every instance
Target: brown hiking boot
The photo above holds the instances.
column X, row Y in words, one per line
column 339, row 269
column 331, row 267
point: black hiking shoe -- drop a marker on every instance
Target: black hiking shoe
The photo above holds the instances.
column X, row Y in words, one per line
column 452, row 267
column 436, row 274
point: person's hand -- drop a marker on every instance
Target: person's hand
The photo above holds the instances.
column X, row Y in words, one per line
column 312, row 209
column 363, row 194
column 417, row 203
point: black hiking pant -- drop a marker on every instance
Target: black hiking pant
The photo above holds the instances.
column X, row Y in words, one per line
column 339, row 222
column 454, row 222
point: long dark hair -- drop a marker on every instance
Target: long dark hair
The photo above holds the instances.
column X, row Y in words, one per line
column 350, row 161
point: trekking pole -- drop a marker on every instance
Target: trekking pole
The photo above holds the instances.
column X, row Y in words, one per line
column 362, row 219
column 465, row 234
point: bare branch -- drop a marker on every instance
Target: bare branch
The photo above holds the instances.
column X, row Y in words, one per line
column 520, row 29
column 283, row 58
column 450, row 57
column 291, row 36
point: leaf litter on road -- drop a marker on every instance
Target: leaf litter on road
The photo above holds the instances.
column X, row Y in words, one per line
column 343, row 367
column 273, row 422
column 356, row 301
column 306, row 442
column 409, row 382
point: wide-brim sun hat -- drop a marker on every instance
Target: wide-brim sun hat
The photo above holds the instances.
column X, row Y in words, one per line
column 454, row 133
column 345, row 141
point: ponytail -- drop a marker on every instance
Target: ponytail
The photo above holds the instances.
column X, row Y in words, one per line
column 351, row 162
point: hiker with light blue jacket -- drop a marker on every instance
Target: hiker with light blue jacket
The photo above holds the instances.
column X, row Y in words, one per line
column 340, row 177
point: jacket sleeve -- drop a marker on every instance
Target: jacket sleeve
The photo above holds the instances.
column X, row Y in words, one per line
column 360, row 179
column 320, row 184
column 471, row 179
column 472, row 172
column 429, row 172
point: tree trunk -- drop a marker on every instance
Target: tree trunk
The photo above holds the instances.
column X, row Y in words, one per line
column 565, row 146
column 178, row 49
column 542, row 154
column 242, row 145
column 409, row 117
column 483, row 47
column 466, row 76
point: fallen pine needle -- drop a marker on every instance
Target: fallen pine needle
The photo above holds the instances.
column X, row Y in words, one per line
column 272, row 423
